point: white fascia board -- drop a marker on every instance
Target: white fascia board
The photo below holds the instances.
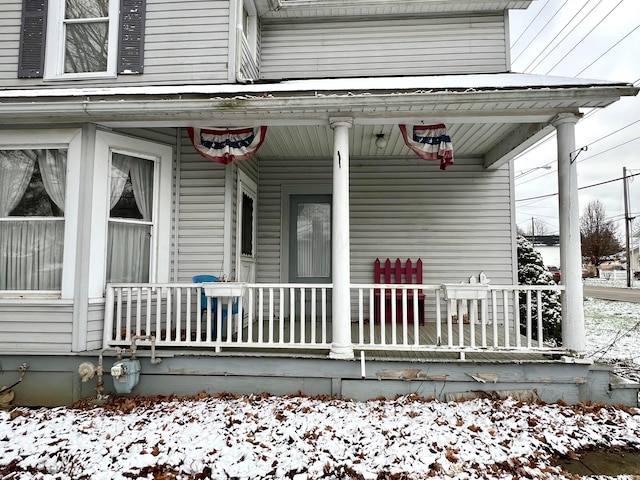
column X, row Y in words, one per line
column 316, row 109
column 361, row 85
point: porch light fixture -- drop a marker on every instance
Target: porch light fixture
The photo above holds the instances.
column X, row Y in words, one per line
column 381, row 142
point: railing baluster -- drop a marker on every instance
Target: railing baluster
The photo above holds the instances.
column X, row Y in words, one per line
column 168, row 315
column 528, row 329
column 251, row 292
column 505, row 314
column 324, row 315
column 438, row 319
column 119, row 315
column 539, row 317
column 473, row 317
column 178, row 307
column 159, row 315
column 416, row 316
column 360, row 316
column 261, row 315
column 516, row 311
column 494, row 317
column 127, row 320
column 372, row 320
column 149, row 308
column 138, row 310
column 303, row 314
column 394, row 314
column 313, row 315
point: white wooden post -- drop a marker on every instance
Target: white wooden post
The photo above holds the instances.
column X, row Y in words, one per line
column 341, row 347
column 573, row 337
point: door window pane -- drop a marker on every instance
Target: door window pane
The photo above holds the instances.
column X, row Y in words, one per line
column 247, row 225
column 313, row 240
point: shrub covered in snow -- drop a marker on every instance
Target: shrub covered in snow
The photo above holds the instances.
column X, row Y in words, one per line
column 531, row 271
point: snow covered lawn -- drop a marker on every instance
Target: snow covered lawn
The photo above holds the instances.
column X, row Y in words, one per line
column 259, row 437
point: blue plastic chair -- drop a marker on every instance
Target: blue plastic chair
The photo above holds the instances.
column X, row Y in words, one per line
column 214, row 304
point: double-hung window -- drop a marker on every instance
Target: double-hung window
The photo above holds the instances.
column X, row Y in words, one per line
column 32, row 223
column 131, row 229
column 81, row 38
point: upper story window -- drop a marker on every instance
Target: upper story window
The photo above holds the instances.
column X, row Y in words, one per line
column 70, row 39
column 86, row 28
column 250, row 26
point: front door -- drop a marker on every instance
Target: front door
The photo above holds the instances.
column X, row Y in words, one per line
column 246, row 204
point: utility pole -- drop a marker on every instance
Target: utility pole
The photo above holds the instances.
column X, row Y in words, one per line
column 533, row 232
column 627, row 221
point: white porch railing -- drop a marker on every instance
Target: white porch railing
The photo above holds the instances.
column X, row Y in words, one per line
column 283, row 316
column 298, row 317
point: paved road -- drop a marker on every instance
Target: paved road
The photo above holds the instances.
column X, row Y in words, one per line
column 611, row 293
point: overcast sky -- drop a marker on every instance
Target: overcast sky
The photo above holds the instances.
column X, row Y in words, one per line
column 588, row 39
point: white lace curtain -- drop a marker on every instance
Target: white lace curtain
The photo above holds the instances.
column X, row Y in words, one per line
column 129, row 242
column 31, row 248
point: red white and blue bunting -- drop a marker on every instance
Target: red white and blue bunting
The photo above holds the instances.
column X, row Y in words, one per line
column 224, row 145
column 429, row 142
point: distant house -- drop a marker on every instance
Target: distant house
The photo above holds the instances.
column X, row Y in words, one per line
column 549, row 248
column 281, row 147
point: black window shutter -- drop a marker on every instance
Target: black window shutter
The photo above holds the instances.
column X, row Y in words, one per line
column 131, row 47
column 32, row 39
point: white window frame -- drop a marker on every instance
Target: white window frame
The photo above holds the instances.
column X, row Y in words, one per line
column 154, row 211
column 106, row 144
column 69, row 139
column 250, row 36
column 55, row 52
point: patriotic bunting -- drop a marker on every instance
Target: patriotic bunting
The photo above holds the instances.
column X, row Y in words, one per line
column 429, row 142
column 224, row 145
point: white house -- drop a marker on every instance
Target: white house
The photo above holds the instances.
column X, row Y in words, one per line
column 318, row 117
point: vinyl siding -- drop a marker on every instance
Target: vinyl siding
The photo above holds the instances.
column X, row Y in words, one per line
column 36, row 326
column 186, row 41
column 95, row 325
column 458, row 221
column 403, row 46
column 201, row 214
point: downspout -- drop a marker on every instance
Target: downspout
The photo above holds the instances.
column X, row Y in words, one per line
column 228, row 221
column 176, row 213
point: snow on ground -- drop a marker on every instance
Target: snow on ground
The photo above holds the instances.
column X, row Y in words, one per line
column 258, row 437
column 613, row 331
column 299, row 438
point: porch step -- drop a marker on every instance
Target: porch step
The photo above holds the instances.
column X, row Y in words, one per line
column 623, row 391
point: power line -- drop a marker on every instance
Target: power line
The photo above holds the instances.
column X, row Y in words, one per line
column 540, row 31
column 528, row 68
column 610, row 48
column 582, row 39
column 530, row 23
column 581, row 188
column 588, row 145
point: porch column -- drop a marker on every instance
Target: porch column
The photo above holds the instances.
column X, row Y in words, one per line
column 341, row 347
column 570, row 247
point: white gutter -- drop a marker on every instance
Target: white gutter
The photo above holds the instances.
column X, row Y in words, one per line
column 448, row 83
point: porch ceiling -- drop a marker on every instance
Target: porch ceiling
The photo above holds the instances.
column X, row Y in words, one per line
column 490, row 117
